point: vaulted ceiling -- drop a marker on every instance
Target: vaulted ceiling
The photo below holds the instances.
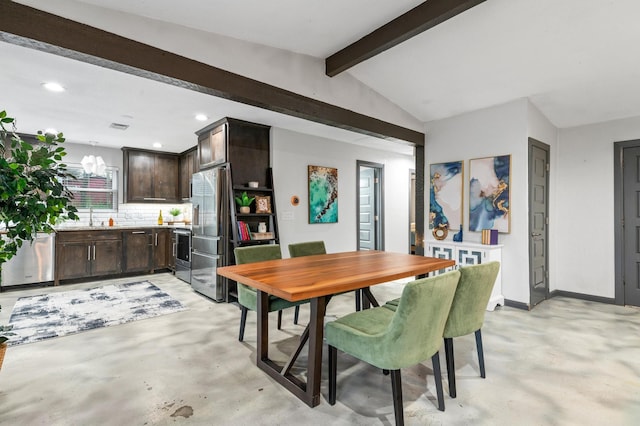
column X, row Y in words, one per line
column 574, row 59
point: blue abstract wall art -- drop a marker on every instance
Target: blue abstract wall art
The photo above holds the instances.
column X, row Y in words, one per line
column 323, row 194
column 489, row 193
column 445, row 195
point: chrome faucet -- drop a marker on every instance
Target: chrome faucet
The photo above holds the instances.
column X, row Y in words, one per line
column 90, row 216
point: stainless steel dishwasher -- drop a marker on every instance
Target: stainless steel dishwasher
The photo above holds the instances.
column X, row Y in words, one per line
column 33, row 263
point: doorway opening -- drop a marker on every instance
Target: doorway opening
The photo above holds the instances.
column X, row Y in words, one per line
column 369, row 212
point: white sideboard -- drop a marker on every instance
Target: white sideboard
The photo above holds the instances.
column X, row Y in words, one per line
column 470, row 254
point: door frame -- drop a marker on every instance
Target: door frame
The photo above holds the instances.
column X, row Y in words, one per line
column 547, row 148
column 379, row 202
column 618, row 215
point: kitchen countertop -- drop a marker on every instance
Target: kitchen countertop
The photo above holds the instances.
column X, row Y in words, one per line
column 118, row 227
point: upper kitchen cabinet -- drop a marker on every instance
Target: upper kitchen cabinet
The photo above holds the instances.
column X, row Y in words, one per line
column 151, row 176
column 188, row 166
column 243, row 144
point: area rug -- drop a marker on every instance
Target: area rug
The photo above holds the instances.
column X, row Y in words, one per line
column 42, row 317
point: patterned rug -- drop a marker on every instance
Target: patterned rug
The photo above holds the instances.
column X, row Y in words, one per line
column 37, row 318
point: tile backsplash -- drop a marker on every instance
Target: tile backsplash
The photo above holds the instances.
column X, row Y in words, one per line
column 133, row 215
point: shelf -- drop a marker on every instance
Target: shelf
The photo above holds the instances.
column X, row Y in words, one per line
column 249, row 189
column 253, row 242
column 255, row 214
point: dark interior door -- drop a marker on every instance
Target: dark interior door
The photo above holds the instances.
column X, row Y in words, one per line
column 538, row 223
column 631, row 222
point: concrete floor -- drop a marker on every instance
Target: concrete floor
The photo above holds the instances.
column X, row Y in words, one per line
column 567, row 362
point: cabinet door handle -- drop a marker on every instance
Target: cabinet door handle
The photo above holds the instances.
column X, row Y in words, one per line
column 89, row 252
column 156, row 239
column 94, row 252
column 154, row 199
column 138, row 232
column 174, row 249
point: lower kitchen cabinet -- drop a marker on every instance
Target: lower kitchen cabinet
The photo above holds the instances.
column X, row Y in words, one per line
column 92, row 253
column 88, row 254
column 138, row 250
column 162, row 248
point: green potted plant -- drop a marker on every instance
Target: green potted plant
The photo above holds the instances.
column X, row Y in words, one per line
column 244, row 202
column 33, row 196
column 174, row 212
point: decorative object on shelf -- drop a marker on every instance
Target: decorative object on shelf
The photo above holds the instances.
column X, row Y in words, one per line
column 323, row 194
column 253, row 184
column 440, row 232
column 262, row 236
column 263, row 204
column 489, row 193
column 244, row 202
column 262, row 227
column 457, row 237
column 295, row 200
column 160, row 220
column 445, row 195
column 490, row 236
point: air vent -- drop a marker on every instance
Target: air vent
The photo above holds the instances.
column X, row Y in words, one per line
column 119, row 126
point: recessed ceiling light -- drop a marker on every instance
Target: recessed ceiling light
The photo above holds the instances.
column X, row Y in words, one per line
column 201, row 117
column 53, row 87
column 157, row 145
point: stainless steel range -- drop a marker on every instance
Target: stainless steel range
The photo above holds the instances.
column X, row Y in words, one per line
column 183, row 254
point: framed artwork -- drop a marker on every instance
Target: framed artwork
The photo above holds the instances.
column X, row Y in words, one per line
column 263, row 204
column 445, row 195
column 323, row 194
column 490, row 193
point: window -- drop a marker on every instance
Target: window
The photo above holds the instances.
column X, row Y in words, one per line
column 89, row 190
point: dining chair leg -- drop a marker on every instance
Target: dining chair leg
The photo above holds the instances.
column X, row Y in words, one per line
column 480, row 353
column 280, row 319
column 333, row 360
column 451, row 365
column 243, row 321
column 296, row 314
column 437, row 376
column 396, row 389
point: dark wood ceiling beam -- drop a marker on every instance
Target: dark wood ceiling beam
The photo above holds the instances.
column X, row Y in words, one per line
column 417, row 20
column 37, row 29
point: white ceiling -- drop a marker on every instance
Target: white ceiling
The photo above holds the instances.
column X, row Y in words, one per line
column 576, row 60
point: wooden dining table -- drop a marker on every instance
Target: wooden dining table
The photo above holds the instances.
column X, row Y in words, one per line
column 318, row 278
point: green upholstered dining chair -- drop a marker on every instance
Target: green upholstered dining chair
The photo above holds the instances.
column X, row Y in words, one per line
column 467, row 313
column 308, row 248
column 247, row 296
column 391, row 340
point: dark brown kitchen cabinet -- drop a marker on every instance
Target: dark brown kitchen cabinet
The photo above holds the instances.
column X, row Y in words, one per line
column 87, row 254
column 151, row 176
column 138, row 250
column 188, row 166
column 162, row 248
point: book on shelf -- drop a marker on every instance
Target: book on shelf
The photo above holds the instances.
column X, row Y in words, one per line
column 243, row 231
column 490, row 236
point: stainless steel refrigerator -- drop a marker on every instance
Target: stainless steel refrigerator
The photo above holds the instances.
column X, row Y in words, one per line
column 209, row 199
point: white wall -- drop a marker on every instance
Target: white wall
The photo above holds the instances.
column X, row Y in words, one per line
column 499, row 130
column 585, row 229
column 291, row 154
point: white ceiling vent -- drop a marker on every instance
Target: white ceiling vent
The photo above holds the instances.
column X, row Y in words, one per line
column 119, row 126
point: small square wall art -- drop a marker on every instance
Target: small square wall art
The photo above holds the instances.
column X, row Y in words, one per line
column 445, row 195
column 489, row 193
column 323, row 194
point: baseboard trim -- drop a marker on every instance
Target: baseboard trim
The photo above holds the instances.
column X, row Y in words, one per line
column 581, row 296
column 517, row 305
